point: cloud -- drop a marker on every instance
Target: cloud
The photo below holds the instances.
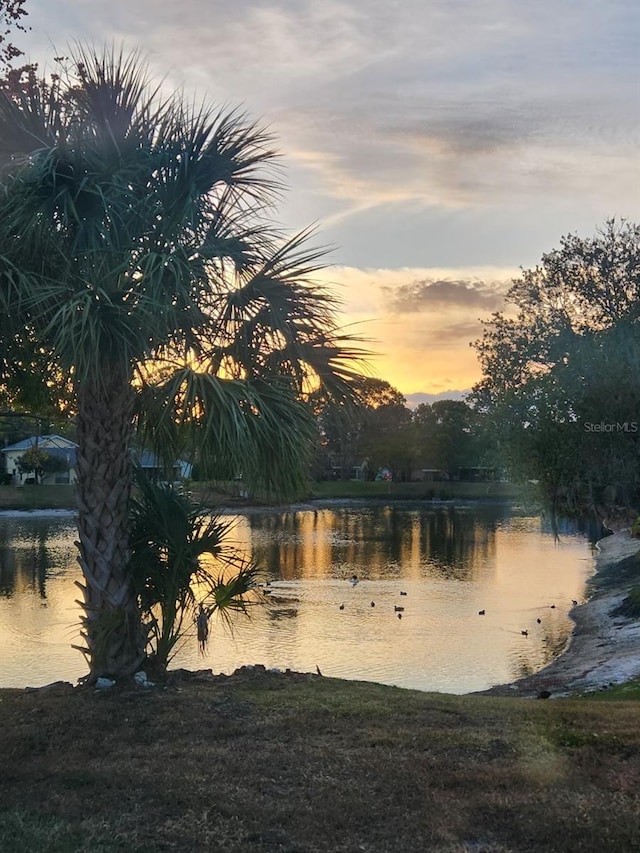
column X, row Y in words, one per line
column 419, row 351
column 440, row 145
column 425, row 294
column 455, row 334
column 387, row 293
column 446, row 106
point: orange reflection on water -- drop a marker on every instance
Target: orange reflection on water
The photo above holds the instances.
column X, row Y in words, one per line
column 451, row 563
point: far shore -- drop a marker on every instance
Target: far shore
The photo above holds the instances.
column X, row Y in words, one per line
column 230, row 495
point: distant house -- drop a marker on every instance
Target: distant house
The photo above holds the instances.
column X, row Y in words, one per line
column 156, row 471
column 54, row 445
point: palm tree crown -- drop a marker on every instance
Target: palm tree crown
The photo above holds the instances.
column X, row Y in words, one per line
column 136, row 268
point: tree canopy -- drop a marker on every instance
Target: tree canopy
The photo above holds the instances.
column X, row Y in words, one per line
column 381, row 431
column 41, row 463
column 13, row 79
column 561, row 372
column 12, row 13
column 448, row 435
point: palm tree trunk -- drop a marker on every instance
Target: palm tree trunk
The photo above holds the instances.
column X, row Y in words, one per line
column 112, row 627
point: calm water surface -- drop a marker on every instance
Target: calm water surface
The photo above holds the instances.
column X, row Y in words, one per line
column 450, row 561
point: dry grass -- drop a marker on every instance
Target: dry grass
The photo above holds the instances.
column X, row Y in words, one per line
column 268, row 762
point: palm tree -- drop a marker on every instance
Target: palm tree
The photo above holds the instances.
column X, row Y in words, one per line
column 136, row 263
column 183, row 568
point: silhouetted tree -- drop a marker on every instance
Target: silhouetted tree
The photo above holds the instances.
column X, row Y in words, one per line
column 561, row 378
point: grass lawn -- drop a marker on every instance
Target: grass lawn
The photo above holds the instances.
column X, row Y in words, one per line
column 63, row 497
column 267, row 762
column 420, row 491
column 37, row 497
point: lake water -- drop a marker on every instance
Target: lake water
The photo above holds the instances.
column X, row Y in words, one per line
column 450, row 561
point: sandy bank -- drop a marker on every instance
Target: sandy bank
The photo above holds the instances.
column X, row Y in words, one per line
column 603, row 649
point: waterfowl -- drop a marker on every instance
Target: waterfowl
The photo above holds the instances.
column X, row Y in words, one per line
column 373, row 604
column 342, row 607
column 539, row 621
column 524, row 633
column 397, row 609
column 399, row 615
column 402, row 593
column 552, row 607
column 574, row 602
column 481, row 612
column 353, row 580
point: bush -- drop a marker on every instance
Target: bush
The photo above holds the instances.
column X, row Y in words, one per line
column 184, row 569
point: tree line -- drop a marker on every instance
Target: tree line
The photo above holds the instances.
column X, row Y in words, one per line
column 433, row 441
column 559, row 398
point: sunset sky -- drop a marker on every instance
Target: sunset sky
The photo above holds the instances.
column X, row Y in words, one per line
column 439, row 145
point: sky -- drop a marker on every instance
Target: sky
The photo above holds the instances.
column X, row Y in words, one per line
column 439, row 145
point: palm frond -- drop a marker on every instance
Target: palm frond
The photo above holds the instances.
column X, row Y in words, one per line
column 175, row 586
column 259, row 429
column 29, row 124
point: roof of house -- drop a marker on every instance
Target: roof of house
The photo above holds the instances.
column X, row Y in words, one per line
column 147, row 459
column 44, row 442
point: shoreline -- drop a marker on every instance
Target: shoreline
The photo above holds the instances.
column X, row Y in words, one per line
column 603, row 649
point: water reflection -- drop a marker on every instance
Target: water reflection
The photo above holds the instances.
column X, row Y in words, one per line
column 29, row 549
column 450, row 561
column 449, row 542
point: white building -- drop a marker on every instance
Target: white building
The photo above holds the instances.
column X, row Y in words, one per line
column 54, row 445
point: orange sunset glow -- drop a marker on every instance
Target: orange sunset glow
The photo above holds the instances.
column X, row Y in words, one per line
column 419, row 323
